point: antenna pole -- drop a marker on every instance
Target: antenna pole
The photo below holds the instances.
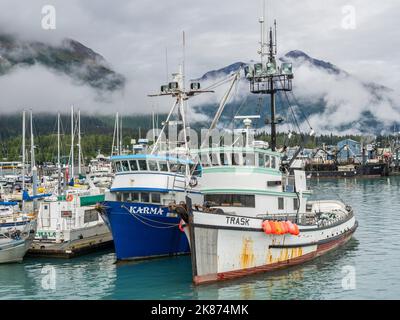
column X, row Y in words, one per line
column 271, row 59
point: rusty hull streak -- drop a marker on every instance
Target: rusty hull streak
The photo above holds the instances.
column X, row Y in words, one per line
column 295, row 258
column 247, row 254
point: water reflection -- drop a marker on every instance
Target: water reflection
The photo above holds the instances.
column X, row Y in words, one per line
column 373, row 253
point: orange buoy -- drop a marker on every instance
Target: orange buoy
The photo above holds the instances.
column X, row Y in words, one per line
column 69, row 197
column 266, row 227
column 296, row 230
column 278, row 227
column 272, row 225
column 284, row 227
column 290, row 226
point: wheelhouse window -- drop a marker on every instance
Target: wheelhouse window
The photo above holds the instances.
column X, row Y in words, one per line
column 295, row 204
column 231, row 200
column 267, row 162
column 224, row 159
column 173, row 166
column 261, row 160
column 196, row 171
column 145, row 197
column 142, row 165
column 125, row 197
column 163, row 166
column 204, row 160
column 133, row 164
column 273, row 163
column 235, row 159
column 248, row 159
column 125, row 166
column 214, row 159
column 182, row 168
column 156, row 198
column 118, row 166
column 153, row 165
column 135, row 196
column 281, row 203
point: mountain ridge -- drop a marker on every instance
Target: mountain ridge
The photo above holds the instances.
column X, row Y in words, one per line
column 70, row 57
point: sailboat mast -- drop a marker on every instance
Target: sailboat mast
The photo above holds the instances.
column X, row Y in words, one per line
column 72, row 143
column 58, row 154
column 33, row 166
column 32, row 145
column 117, row 132
column 79, row 143
column 23, row 157
column 120, row 136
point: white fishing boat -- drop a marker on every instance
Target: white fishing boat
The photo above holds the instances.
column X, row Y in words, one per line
column 257, row 216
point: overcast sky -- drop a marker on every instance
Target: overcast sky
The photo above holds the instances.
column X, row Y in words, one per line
column 133, row 37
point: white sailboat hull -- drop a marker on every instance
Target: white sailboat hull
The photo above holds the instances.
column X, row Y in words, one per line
column 14, row 250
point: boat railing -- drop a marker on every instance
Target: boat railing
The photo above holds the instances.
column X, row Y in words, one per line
column 298, row 218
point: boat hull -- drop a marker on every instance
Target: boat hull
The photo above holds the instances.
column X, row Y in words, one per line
column 142, row 230
column 222, row 252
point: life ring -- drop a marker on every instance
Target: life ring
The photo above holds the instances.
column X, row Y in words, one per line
column 69, row 197
column 180, row 226
column 193, row 182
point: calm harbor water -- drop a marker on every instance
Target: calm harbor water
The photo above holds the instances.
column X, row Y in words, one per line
column 372, row 256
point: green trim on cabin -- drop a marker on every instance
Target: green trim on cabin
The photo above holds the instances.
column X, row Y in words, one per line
column 241, row 169
column 237, row 149
column 251, row 191
column 91, row 200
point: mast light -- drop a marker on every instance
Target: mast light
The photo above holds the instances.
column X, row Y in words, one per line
column 173, row 85
column 271, row 68
column 195, row 86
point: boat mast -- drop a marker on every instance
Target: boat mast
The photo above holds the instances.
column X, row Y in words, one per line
column 117, row 131
column 268, row 78
column 58, row 154
column 271, row 59
column 177, row 90
column 79, row 142
column 72, row 144
column 33, row 166
column 32, row 145
column 120, row 136
column 23, row 158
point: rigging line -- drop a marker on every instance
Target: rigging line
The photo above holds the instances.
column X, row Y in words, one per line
column 301, row 110
column 293, row 114
column 168, row 225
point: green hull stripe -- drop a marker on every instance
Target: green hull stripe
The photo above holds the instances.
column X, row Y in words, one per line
column 239, row 169
column 249, row 191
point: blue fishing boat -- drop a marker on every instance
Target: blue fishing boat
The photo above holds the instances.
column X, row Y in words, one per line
column 148, row 181
column 136, row 207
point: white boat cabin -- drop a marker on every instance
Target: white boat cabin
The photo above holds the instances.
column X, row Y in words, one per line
column 152, row 179
column 239, row 180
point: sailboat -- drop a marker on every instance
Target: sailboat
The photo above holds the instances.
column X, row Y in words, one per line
column 257, row 216
column 17, row 222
